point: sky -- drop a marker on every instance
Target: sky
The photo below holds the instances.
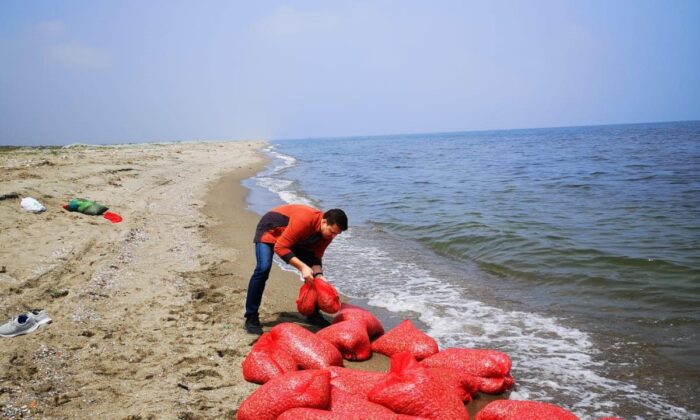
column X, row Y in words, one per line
column 103, row 72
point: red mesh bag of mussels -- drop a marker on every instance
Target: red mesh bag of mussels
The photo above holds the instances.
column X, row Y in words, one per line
column 495, row 385
column 351, row 312
column 358, row 382
column 328, row 299
column 478, row 362
column 350, row 338
column 308, row 350
column 464, row 385
column 405, row 337
column 409, row 389
column 266, row 360
column 306, row 302
column 347, row 404
column 306, row 388
column 309, row 414
column 316, row 414
column 523, row 410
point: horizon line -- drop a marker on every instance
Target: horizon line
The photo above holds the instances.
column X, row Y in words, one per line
column 484, row 130
column 487, row 130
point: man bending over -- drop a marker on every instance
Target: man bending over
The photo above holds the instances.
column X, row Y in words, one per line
column 299, row 235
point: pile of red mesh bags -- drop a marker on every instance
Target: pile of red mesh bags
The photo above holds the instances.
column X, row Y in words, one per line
column 408, row 389
column 523, row 410
column 307, row 388
column 319, row 295
column 423, row 383
column 350, row 337
column 405, row 337
column 307, row 349
column 267, row 360
column 356, row 382
column 492, row 367
column 351, row 312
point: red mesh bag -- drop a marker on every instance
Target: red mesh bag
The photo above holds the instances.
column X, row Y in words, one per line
column 351, row 312
column 409, row 389
column 307, row 388
column 347, row 404
column 491, row 385
column 328, row 299
column 308, row 414
column 523, row 410
column 308, row 350
column 461, row 383
column 266, row 360
column 487, row 363
column 306, row 302
column 350, row 337
column 508, row 382
column 408, row 338
column 316, row 414
column 358, row 382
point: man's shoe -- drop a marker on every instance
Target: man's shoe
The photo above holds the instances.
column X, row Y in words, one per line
column 24, row 323
column 318, row 320
column 253, row 325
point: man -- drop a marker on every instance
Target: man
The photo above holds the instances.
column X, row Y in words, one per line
column 299, row 235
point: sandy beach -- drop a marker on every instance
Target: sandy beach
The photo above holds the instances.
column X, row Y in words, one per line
column 147, row 313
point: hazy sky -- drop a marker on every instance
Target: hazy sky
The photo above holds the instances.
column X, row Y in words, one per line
column 133, row 71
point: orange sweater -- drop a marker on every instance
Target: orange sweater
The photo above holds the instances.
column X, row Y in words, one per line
column 294, row 229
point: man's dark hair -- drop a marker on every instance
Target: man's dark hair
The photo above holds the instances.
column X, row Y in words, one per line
column 336, row 217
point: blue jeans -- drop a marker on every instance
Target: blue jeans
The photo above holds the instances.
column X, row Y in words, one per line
column 256, row 286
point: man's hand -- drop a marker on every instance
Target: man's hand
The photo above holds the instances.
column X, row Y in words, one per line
column 306, row 272
column 308, row 275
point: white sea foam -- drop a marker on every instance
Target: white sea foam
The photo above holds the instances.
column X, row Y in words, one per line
column 551, row 361
column 282, row 161
column 271, row 181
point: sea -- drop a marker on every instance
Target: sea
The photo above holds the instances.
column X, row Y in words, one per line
column 575, row 250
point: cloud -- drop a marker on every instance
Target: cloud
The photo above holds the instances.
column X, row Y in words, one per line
column 77, row 56
column 286, row 21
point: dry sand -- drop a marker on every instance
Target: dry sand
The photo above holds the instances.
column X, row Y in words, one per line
column 147, row 313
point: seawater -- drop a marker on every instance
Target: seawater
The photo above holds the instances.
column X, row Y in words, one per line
column 575, row 250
